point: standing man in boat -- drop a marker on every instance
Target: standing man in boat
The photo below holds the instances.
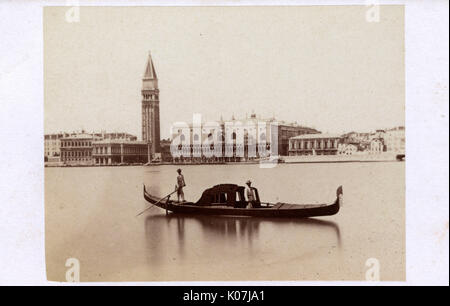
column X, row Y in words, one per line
column 179, row 186
column 250, row 194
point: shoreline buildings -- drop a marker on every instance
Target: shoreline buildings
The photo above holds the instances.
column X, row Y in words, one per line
column 389, row 140
column 237, row 140
column 52, row 142
column 84, row 149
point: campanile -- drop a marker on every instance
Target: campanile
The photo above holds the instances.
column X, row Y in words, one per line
column 150, row 108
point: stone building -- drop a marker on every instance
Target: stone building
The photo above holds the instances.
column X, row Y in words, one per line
column 394, row 140
column 52, row 142
column 235, row 140
column 115, row 135
column 76, row 149
column 348, row 149
column 119, row 151
column 287, row 131
column 314, row 144
column 166, row 156
column 376, row 146
column 52, row 146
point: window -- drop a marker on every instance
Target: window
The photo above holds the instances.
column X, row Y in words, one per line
column 239, row 197
column 220, row 198
column 262, row 137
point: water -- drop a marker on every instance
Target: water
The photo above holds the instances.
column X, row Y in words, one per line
column 90, row 215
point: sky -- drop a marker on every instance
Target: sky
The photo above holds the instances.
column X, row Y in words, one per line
column 323, row 67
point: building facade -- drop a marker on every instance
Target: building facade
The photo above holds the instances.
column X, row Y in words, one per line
column 52, row 146
column 52, row 142
column 115, row 135
column 314, row 144
column 166, row 156
column 150, row 109
column 119, row 151
column 77, row 149
column 287, row 131
column 394, row 140
column 83, row 149
column 236, row 140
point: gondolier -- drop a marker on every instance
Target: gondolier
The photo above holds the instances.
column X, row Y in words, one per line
column 179, row 186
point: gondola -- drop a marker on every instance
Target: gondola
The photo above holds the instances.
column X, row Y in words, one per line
column 229, row 200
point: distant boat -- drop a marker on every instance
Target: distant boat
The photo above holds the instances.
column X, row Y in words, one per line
column 400, row 157
column 229, row 200
column 271, row 160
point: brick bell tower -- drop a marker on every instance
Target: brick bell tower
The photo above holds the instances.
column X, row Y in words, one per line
column 150, row 109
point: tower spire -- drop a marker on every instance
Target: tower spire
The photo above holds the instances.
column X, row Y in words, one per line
column 150, row 79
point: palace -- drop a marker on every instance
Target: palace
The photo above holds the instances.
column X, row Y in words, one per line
column 236, row 140
column 77, row 149
column 317, row 144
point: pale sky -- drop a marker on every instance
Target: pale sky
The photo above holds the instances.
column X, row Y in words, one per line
column 324, row 67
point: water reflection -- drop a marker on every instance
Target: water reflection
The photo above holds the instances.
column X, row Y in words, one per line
column 165, row 234
column 155, row 247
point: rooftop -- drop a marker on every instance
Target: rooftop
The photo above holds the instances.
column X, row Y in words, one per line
column 248, row 120
column 79, row 136
column 119, row 141
column 316, row 136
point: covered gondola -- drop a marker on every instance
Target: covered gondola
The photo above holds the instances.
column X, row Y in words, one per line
column 229, row 200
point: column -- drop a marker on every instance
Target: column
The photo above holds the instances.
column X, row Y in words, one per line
column 121, row 153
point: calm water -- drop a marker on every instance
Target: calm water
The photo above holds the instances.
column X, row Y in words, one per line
column 90, row 215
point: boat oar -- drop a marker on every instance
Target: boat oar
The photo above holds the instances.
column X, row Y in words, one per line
column 155, row 203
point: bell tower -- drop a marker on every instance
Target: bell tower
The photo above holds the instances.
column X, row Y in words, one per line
column 150, row 108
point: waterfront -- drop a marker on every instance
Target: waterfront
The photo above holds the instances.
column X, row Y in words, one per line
column 90, row 215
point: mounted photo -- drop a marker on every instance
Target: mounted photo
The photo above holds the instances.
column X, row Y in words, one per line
column 244, row 143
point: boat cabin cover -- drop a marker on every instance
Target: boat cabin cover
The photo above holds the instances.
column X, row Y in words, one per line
column 226, row 195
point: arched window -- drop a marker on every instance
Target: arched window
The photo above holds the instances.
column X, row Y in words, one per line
column 262, row 137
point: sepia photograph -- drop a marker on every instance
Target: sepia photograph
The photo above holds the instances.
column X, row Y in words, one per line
column 224, row 152
column 224, row 143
